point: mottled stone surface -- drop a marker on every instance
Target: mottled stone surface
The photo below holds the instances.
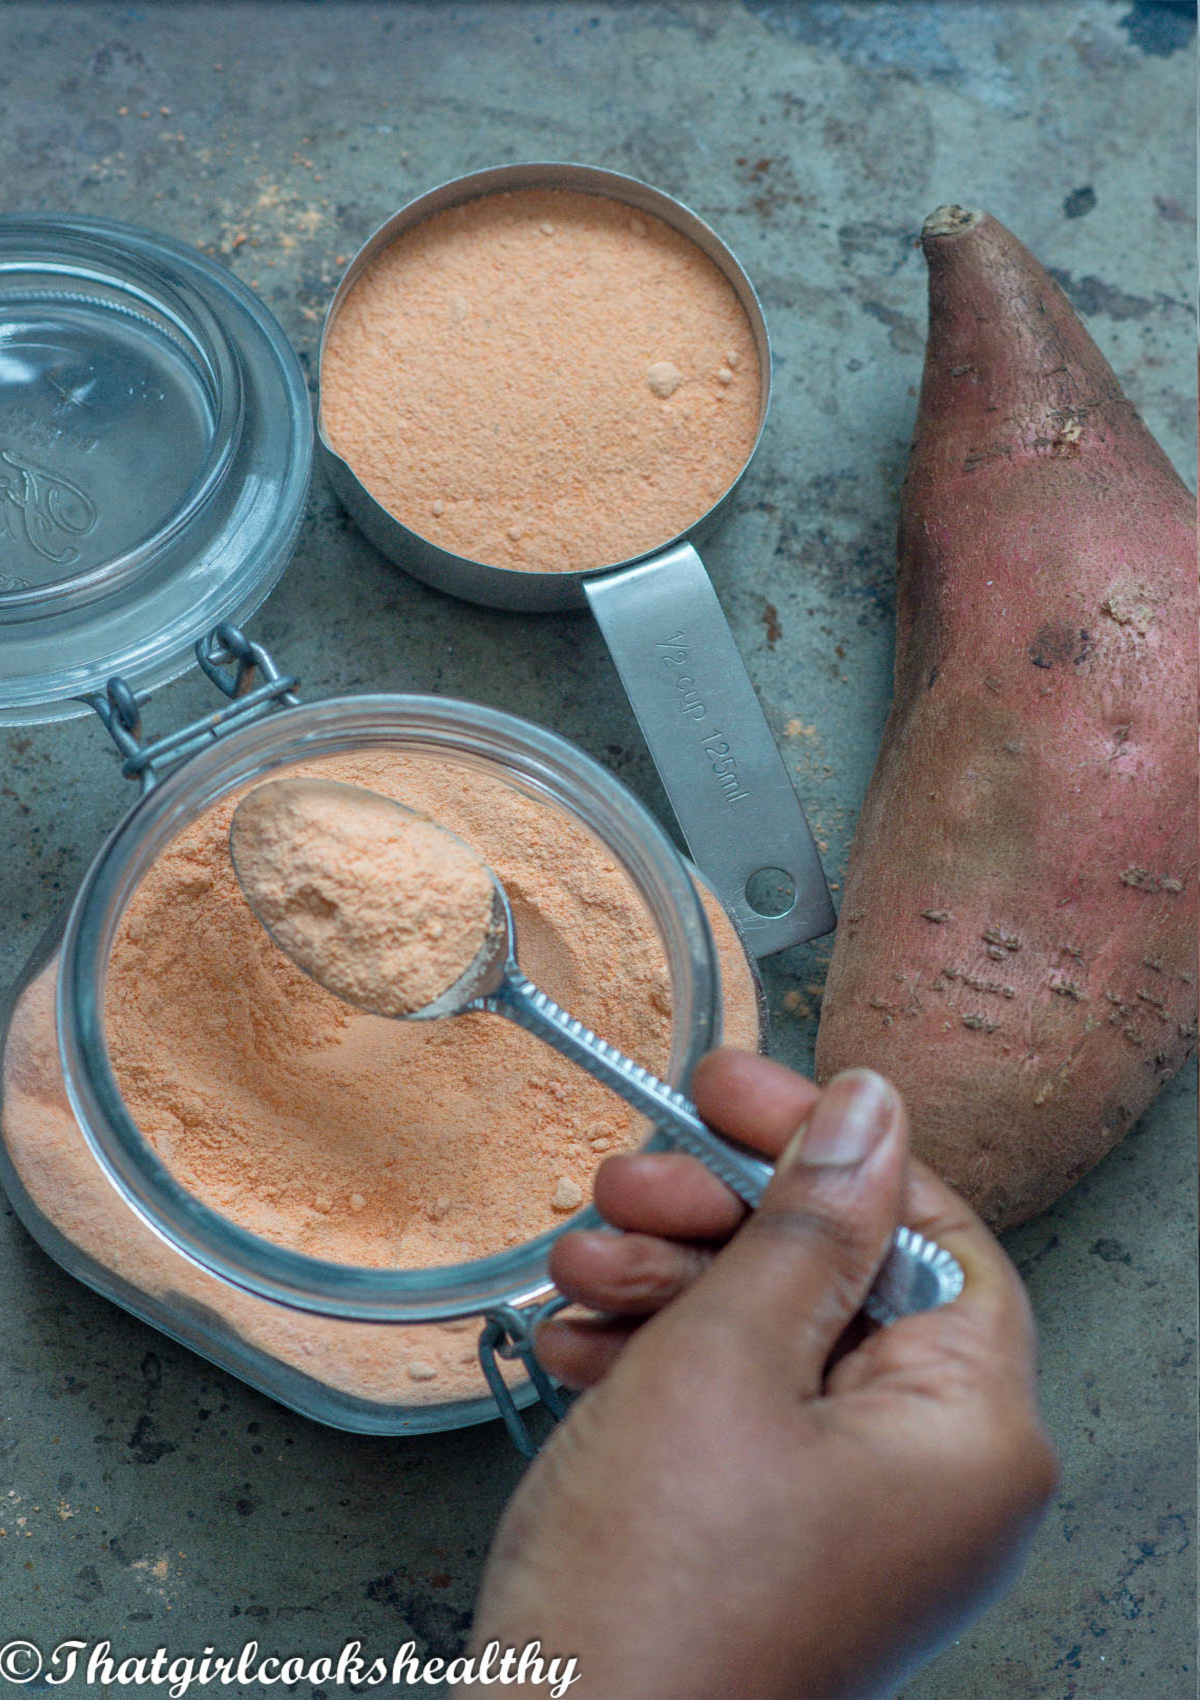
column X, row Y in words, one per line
column 148, row 1498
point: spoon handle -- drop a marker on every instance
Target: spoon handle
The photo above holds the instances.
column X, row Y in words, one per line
column 916, row 1274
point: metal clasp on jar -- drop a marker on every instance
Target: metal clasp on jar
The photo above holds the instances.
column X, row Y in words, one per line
column 233, row 663
column 509, row 1333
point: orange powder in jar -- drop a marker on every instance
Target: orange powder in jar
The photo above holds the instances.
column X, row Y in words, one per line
column 542, row 379
column 342, row 1134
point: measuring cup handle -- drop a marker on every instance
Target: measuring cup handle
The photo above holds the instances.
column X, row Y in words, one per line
column 710, row 741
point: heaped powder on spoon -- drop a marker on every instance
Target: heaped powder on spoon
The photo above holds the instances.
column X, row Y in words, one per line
column 382, row 907
column 542, row 379
column 343, row 1134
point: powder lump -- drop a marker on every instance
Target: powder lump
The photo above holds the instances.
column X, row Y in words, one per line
column 542, row 380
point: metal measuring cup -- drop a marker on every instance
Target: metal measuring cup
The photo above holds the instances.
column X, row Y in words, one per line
column 657, row 611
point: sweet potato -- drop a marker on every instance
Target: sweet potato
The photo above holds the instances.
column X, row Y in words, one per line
column 1017, row 944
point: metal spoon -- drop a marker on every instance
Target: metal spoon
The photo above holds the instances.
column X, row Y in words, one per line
column 916, row 1275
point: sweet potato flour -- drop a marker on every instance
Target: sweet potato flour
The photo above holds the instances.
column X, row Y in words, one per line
column 382, row 907
column 342, row 1134
column 543, row 380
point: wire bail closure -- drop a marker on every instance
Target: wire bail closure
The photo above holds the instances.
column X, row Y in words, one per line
column 509, row 1333
column 232, row 662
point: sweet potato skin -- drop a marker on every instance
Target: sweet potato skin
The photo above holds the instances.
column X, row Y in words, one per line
column 1017, row 942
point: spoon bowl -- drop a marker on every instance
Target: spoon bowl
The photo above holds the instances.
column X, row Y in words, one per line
column 261, row 842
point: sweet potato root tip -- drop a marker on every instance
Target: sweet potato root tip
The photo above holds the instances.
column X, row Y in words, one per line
column 951, row 221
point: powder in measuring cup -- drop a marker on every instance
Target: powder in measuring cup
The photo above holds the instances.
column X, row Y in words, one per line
column 383, row 908
column 340, row 1133
column 543, row 380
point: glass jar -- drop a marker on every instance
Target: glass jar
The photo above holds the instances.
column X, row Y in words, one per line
column 352, row 1346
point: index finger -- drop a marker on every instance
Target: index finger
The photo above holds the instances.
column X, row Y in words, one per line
column 756, row 1101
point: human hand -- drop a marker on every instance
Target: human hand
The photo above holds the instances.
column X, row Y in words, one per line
column 753, row 1500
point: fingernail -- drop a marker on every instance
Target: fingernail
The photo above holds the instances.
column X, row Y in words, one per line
column 856, row 1110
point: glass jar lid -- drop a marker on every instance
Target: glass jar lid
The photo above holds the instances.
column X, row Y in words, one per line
column 155, row 450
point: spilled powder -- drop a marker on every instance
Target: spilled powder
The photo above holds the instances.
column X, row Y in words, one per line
column 384, row 908
column 340, row 1133
column 542, row 380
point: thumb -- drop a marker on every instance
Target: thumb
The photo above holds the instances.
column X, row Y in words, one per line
column 800, row 1267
